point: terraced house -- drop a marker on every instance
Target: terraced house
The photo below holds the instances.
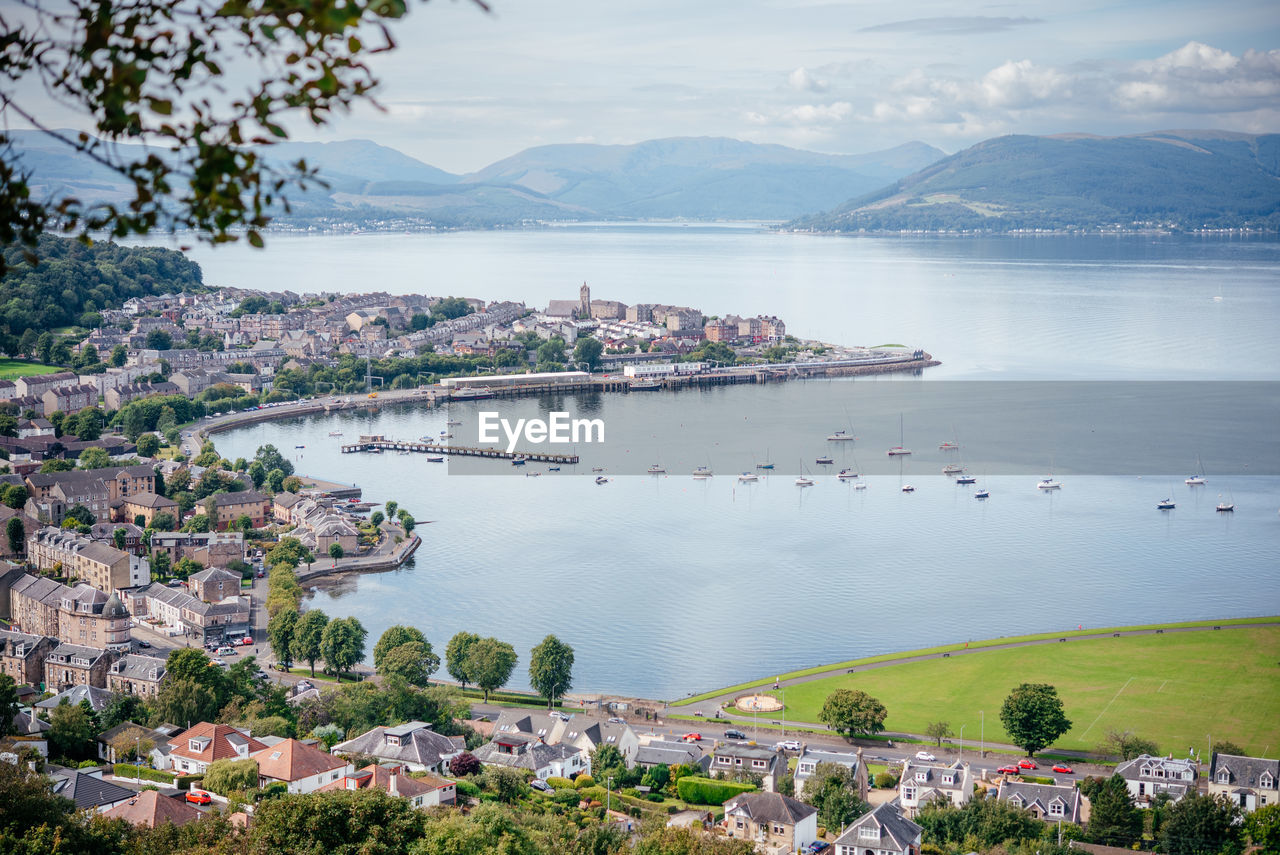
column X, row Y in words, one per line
column 70, row 665
column 104, row 567
column 1249, row 782
column 80, row 615
column 1148, row 776
column 22, row 656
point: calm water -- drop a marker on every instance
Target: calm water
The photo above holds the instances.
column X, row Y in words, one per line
column 667, row 585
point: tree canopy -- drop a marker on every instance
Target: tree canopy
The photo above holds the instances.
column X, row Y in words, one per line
column 850, row 712
column 1033, row 716
column 551, row 668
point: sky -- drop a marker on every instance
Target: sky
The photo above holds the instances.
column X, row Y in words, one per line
column 465, row 88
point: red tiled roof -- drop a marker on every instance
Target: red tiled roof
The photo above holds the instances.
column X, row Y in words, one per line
column 377, row 777
column 149, row 808
column 222, row 742
column 292, row 760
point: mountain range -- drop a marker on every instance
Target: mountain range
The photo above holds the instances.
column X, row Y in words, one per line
column 1181, row 179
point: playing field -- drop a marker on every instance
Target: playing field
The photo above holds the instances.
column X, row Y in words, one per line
column 11, row 368
column 1179, row 689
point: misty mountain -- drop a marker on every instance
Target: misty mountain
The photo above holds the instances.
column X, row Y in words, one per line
column 1182, row 179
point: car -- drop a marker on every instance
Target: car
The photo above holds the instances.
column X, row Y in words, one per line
column 261, row 574
column 560, row 715
column 1063, row 768
column 199, row 797
column 817, row 846
column 616, row 720
column 304, row 685
column 925, row 755
column 175, row 583
column 1008, row 770
column 142, row 642
column 246, row 641
column 789, row 745
column 224, row 650
column 539, row 784
column 1027, row 764
column 692, row 737
column 262, row 675
column 734, row 734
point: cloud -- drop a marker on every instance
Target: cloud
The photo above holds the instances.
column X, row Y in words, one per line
column 803, row 81
column 952, row 25
column 1199, row 78
column 819, row 115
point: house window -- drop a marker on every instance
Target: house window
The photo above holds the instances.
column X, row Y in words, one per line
column 724, row 761
column 922, row 776
column 758, row 764
column 1224, row 777
column 1265, row 780
column 869, row 832
column 738, row 824
column 909, row 793
column 1055, row 809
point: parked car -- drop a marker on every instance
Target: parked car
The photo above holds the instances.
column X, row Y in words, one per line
column 616, row 720
column 225, row 651
column 734, row 734
column 198, row 797
column 925, row 755
column 789, row 745
column 817, row 846
column 142, row 642
column 692, row 737
column 246, row 641
column 539, row 784
column 1008, row 770
column 1027, row 764
column 1063, row 768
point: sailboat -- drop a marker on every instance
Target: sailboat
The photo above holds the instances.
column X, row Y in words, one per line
column 825, row 460
column 803, row 479
column 1047, row 483
column 898, row 449
column 767, row 463
column 1225, row 506
column 702, row 473
column 1196, row 480
column 966, row 478
column 840, row 436
column 982, row 493
column 1166, row 505
column 656, row 469
column 748, row 477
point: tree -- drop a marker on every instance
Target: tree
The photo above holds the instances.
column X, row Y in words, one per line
column 551, row 669
column 271, row 458
column 342, row 644
column 393, row 637
column 490, row 663
column 347, row 821
column 227, row 776
column 119, row 538
column 79, row 514
column 71, row 731
column 1225, row 746
column 258, row 473
column 15, row 496
column 119, row 355
column 8, row 704
column 833, row 790
column 1114, row 820
column 406, row 521
column 981, row 824
column 1263, row 828
column 163, row 521
column 15, row 531
column 852, row 711
column 1201, row 825
column 608, row 762
column 588, row 351
column 391, row 508
column 280, row 630
column 335, row 552
column 123, row 707
column 938, row 731
column 412, row 662
column 464, row 764
column 307, row 636
column 148, row 445
column 95, row 457
column 455, row 657
column 159, row 340
column 551, row 351
column 1033, row 717
column 376, row 518
column 1125, row 745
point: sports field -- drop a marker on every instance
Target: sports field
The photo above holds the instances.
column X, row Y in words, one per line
column 11, row 368
column 1179, row 689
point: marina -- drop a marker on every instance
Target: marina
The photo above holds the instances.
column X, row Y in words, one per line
column 376, row 443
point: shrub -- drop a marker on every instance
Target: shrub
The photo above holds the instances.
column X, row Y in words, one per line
column 468, row 789
column 584, row 781
column 128, row 770
column 225, row 776
column 566, row 796
column 560, row 783
column 885, row 780
column 708, row 791
column 673, row 809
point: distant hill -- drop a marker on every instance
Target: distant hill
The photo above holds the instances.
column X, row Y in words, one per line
column 684, row 178
column 1182, row 179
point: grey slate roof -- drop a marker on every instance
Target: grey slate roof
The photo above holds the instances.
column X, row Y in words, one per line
column 894, row 828
column 418, row 744
column 87, row 791
column 763, row 808
column 136, row 666
column 669, row 753
column 537, row 756
column 1244, row 771
column 99, row 699
column 1027, row 795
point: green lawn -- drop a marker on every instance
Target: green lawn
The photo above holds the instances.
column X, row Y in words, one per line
column 11, row 368
column 1174, row 688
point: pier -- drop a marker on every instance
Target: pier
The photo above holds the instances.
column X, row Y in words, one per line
column 380, row 444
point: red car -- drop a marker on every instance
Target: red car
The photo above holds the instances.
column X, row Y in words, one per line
column 1063, row 768
column 1008, row 770
column 198, row 797
column 1027, row 764
column 692, row 737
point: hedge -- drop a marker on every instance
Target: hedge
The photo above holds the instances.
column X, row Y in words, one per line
column 466, row 788
column 128, row 770
column 709, row 791
column 584, row 781
column 560, row 783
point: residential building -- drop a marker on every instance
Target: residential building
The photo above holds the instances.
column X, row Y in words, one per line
column 145, row 506
column 926, row 781
column 720, row 331
column 22, row 656
column 304, row 768
column 231, row 506
column 81, row 615
column 127, row 732
column 70, row 665
column 136, row 674
column 210, row 548
column 774, row 822
column 1049, row 802
column 97, row 698
column 34, row 387
column 194, row 749
column 742, row 758
column 104, row 567
column 150, row 808
column 810, row 757
column 1148, row 776
column 105, row 532
column 578, row 731
column 69, row 399
column 882, row 831
column 659, row 752
column 682, row 318
column 119, row 396
column 521, row 751
column 414, row 745
column 213, row 585
column 282, row 505
column 53, row 493
column 182, row 614
column 1249, row 782
column 88, row 790
column 422, row 792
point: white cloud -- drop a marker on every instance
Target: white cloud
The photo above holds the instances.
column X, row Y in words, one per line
column 803, row 81
column 821, row 115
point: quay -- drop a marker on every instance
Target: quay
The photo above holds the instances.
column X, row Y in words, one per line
column 379, row 443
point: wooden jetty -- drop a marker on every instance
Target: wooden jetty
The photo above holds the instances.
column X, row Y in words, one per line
column 379, row 444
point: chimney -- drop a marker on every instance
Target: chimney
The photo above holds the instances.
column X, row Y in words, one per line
column 392, row 788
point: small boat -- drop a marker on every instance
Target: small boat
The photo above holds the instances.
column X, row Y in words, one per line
column 656, row 469
column 702, row 473
column 860, row 486
column 470, row 393
column 426, row 439
column 597, row 468
column 1049, row 484
column 335, row 433
column 1166, row 505
column 949, row 446
column 435, row 459
column 764, row 465
column 553, row 468
column 644, row 385
column 847, row 474
column 452, row 422
column 907, row 488
column 802, row 481
column 952, row 469
column 600, row 479
column 748, row 477
column 840, row 436
column 898, row 450
column 1196, row 480
column 982, row 494
column 966, row 478
column 299, row 446
column 824, row 461
column 1225, row 506
column 532, row 474
column 517, row 461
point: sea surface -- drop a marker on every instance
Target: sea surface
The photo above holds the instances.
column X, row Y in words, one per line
column 665, row 585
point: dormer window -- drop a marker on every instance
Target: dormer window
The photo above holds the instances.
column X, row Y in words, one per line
column 948, row 779
column 1265, row 780
column 922, row 776
column 393, row 740
column 542, row 731
column 1016, row 801
column 869, row 832
column 1224, row 777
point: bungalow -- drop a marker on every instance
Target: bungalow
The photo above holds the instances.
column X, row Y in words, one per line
column 883, row 831
column 414, row 745
column 98, row 699
column 772, row 821
column 1249, row 782
column 519, row 751
column 570, row 729
column 659, row 752
column 88, row 790
column 422, row 792
column 304, row 768
column 809, row 759
column 743, row 758
column 1148, row 776
column 150, row 808
column 922, row 782
column 134, row 735
column 194, row 749
column 1048, row 802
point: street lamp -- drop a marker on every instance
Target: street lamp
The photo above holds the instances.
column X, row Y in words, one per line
column 961, row 757
column 982, row 733
column 608, row 794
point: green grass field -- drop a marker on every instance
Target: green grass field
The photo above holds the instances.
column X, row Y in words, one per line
column 1174, row 688
column 11, row 368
